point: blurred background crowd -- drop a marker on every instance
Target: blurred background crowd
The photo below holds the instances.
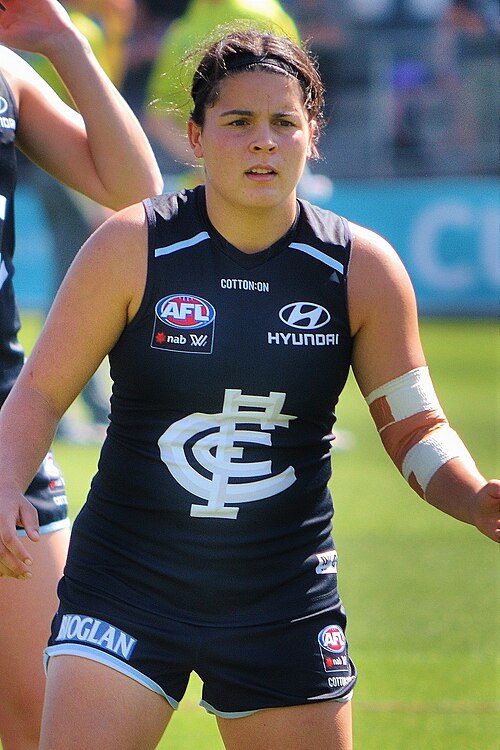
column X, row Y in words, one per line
column 412, row 85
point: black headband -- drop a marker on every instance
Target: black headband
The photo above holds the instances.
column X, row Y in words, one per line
column 248, row 59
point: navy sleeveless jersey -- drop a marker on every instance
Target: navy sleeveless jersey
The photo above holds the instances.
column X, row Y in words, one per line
column 211, row 503
column 11, row 354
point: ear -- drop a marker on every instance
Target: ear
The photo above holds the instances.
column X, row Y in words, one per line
column 311, row 146
column 195, row 140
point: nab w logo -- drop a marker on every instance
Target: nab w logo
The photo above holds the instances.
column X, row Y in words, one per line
column 203, row 453
column 198, row 340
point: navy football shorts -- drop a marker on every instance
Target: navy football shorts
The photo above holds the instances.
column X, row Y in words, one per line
column 47, row 492
column 243, row 669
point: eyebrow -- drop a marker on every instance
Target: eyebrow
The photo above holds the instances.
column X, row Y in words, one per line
column 249, row 113
column 236, row 112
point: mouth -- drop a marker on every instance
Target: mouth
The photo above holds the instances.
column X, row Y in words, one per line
column 261, row 171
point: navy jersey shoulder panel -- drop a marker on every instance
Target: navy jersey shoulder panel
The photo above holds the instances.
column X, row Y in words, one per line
column 173, row 224
column 173, row 216
column 326, row 231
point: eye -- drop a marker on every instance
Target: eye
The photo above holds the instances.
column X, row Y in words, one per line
column 240, row 122
column 283, row 123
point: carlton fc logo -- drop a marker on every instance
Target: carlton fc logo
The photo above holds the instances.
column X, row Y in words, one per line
column 186, row 314
column 205, row 453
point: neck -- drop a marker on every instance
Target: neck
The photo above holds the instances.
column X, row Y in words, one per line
column 252, row 230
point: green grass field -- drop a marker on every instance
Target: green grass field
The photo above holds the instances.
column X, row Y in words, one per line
column 421, row 589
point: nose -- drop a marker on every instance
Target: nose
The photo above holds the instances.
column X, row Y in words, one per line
column 263, row 140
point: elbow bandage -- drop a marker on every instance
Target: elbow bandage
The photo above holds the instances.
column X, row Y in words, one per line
column 414, row 429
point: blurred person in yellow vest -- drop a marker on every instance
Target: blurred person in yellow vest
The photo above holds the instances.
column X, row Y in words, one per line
column 107, row 24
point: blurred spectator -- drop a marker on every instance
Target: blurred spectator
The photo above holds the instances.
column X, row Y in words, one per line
column 325, row 25
column 116, row 18
column 152, row 20
column 468, row 30
column 397, row 13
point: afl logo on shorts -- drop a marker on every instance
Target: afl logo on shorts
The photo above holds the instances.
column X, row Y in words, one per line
column 185, row 311
column 333, row 648
column 332, row 639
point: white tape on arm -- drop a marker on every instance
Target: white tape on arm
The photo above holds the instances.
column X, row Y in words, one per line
column 432, row 452
column 414, row 429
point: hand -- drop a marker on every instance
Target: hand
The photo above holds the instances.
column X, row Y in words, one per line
column 32, row 26
column 487, row 512
column 15, row 510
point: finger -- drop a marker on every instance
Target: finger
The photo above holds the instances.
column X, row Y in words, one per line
column 15, row 561
column 28, row 519
column 493, row 488
column 11, row 570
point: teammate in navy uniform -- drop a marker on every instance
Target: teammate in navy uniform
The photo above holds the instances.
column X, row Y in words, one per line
column 231, row 315
column 92, row 153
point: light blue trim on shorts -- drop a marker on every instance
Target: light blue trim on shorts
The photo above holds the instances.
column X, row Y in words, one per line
column 228, row 714
column 87, row 652
column 241, row 714
column 63, row 523
column 327, row 696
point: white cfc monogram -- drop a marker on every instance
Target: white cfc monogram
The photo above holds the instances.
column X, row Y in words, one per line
column 213, row 438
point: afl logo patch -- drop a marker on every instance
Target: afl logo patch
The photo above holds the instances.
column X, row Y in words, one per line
column 333, row 648
column 193, row 321
column 3, row 105
column 304, row 315
column 185, row 311
column 332, row 639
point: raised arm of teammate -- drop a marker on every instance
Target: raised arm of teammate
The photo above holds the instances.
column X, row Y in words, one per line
column 115, row 163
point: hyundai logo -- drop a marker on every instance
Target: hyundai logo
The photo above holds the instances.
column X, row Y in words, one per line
column 304, row 315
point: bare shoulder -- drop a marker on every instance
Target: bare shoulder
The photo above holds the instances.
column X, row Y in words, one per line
column 370, row 249
column 121, row 238
column 377, row 276
column 115, row 256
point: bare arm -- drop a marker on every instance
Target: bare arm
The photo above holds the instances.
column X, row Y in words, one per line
column 91, row 309
column 101, row 150
column 386, row 347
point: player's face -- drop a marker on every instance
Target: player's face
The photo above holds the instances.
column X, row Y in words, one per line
column 255, row 141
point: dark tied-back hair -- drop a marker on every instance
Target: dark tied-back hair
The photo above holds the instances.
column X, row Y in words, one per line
column 246, row 50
